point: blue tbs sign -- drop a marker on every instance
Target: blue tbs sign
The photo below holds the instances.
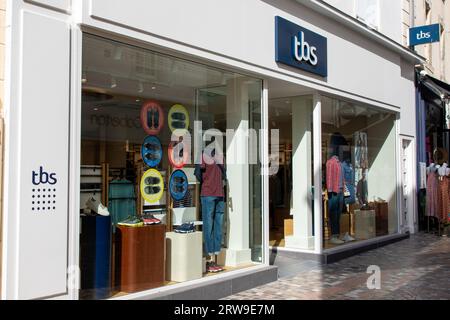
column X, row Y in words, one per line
column 300, row 48
column 424, row 34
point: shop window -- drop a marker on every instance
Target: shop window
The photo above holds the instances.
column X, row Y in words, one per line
column 170, row 173
column 359, row 172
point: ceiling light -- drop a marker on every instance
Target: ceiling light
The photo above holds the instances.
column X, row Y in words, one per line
column 117, row 53
column 95, row 109
column 138, row 100
column 113, row 83
column 153, row 87
column 84, row 77
column 140, row 87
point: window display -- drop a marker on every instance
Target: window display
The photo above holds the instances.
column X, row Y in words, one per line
column 162, row 142
column 359, row 187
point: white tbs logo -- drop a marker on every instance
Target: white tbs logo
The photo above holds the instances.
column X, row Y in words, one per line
column 303, row 51
column 423, row 35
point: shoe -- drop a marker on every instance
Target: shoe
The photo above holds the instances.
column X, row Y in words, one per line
column 150, row 219
column 179, row 124
column 96, row 206
column 347, row 238
column 152, row 180
column 152, row 146
column 335, row 240
column 186, row 228
column 156, row 118
column 152, row 190
column 177, row 189
column 132, row 222
column 212, row 267
column 178, row 116
column 150, row 118
column 179, row 180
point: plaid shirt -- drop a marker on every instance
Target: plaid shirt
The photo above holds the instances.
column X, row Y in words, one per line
column 334, row 175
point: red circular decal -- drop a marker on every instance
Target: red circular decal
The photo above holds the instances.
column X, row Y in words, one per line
column 179, row 161
column 152, row 117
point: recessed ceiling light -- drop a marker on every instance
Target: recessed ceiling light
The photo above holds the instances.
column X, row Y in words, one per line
column 113, row 83
column 140, row 87
column 95, row 109
column 153, row 88
column 138, row 100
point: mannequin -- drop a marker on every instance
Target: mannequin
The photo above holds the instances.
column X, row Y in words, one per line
column 212, row 176
column 335, row 187
column 432, row 190
column 362, row 190
column 349, row 188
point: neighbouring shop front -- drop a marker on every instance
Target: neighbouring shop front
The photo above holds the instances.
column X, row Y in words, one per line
column 433, row 127
column 171, row 158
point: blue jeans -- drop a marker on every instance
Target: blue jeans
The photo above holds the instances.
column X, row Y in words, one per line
column 335, row 205
column 212, row 215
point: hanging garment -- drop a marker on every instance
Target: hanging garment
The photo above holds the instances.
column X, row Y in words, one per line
column 334, row 175
column 432, row 195
column 362, row 191
column 349, row 185
column 122, row 200
column 444, row 198
column 361, row 153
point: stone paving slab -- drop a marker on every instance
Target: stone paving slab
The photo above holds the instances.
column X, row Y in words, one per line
column 415, row 268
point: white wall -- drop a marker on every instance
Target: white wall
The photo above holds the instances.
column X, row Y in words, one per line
column 390, row 15
column 391, row 19
column 356, row 64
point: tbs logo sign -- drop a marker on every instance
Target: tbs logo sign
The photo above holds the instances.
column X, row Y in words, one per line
column 43, row 177
column 423, row 35
column 298, row 47
column 303, row 51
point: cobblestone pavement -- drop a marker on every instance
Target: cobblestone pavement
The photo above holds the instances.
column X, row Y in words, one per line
column 415, row 268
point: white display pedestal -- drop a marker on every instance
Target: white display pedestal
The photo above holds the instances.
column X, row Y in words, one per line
column 184, row 256
column 365, row 224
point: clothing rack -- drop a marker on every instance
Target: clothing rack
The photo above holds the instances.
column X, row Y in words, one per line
column 442, row 172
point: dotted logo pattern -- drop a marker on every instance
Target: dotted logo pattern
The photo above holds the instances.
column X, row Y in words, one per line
column 43, row 200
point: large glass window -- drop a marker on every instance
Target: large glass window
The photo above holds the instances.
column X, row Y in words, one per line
column 170, row 174
column 359, row 172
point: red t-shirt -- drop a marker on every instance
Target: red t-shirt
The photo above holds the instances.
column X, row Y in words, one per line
column 212, row 185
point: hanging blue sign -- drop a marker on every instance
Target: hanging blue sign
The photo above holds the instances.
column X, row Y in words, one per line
column 300, row 48
column 424, row 34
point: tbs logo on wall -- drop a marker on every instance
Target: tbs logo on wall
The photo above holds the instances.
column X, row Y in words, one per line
column 43, row 177
column 299, row 47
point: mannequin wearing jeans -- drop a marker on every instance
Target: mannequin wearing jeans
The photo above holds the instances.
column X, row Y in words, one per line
column 335, row 187
column 212, row 176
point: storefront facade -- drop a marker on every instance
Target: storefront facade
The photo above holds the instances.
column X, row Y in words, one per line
column 298, row 97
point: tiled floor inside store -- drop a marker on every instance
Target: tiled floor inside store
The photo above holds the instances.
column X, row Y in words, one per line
column 415, row 268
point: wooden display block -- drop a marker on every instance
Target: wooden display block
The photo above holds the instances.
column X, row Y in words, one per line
column 365, row 224
column 344, row 223
column 382, row 217
column 184, row 256
column 142, row 257
column 288, row 227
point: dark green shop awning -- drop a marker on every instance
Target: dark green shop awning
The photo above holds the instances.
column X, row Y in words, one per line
column 432, row 89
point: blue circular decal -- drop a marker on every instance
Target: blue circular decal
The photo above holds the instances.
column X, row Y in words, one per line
column 178, row 185
column 152, row 151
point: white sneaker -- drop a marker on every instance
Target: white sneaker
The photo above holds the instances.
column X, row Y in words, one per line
column 348, row 238
column 97, row 207
column 335, row 240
